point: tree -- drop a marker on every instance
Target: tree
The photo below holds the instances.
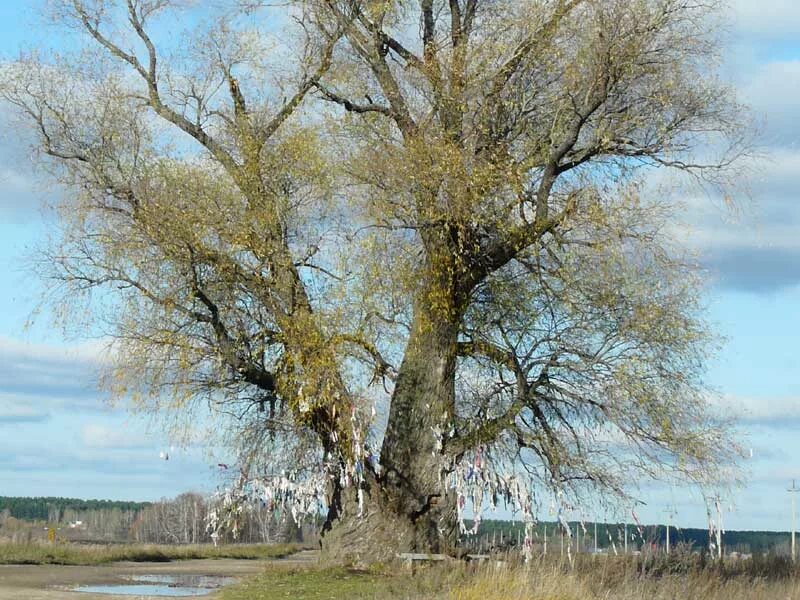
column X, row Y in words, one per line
column 444, row 221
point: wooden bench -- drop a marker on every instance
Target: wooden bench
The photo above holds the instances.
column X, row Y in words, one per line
column 410, row 558
column 477, row 557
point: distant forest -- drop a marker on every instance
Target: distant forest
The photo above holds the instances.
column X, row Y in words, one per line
column 180, row 520
column 610, row 536
column 41, row 509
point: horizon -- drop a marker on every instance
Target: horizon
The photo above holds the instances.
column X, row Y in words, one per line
column 512, row 521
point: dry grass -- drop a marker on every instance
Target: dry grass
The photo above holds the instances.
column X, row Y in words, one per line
column 682, row 575
column 79, row 554
column 679, row 577
column 529, row 584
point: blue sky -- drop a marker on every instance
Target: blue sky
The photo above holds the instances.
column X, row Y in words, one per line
column 58, row 437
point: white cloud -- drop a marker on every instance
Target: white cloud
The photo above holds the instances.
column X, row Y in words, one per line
column 12, row 411
column 86, row 352
column 95, row 435
column 50, row 378
column 12, row 180
column 768, row 18
column 22, row 192
column 775, row 411
column 752, row 245
column 772, row 91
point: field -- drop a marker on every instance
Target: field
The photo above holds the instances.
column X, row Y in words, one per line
column 51, row 582
column 601, row 578
column 284, row 573
column 498, row 585
column 97, row 554
column 45, row 572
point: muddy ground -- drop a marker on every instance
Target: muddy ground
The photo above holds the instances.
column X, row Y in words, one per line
column 54, row 582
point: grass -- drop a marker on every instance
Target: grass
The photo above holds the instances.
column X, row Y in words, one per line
column 308, row 584
column 555, row 585
column 683, row 575
column 604, row 578
column 74, row 554
column 326, row 583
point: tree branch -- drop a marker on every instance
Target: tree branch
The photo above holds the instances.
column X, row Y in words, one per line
column 352, row 106
column 150, row 77
column 249, row 371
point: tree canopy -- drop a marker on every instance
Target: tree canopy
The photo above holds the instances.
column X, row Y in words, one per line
column 405, row 246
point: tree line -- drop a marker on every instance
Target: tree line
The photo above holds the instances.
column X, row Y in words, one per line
column 183, row 521
column 52, row 508
column 610, row 535
column 180, row 520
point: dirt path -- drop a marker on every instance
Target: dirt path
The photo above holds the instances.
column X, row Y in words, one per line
column 53, row 582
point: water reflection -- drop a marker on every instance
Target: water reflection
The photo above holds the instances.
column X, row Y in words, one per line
column 160, row 585
column 143, row 589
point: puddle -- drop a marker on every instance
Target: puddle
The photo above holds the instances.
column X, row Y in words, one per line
column 172, row 586
column 143, row 589
column 200, row 581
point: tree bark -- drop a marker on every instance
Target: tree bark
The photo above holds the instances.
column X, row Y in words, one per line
column 406, row 507
column 376, row 535
column 385, row 528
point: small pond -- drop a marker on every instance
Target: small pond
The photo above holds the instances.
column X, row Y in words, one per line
column 160, row 585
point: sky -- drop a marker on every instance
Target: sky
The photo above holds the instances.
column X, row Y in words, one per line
column 58, row 436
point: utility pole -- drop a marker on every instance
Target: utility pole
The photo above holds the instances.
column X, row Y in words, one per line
column 626, row 537
column 670, row 513
column 545, row 539
column 595, row 537
column 718, row 504
column 793, row 491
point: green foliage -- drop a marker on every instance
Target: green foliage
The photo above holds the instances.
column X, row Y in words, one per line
column 480, row 232
column 39, row 508
column 307, row 584
column 339, row 582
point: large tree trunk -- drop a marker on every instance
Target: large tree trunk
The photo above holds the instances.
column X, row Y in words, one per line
column 385, row 528
column 375, row 535
column 406, row 507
